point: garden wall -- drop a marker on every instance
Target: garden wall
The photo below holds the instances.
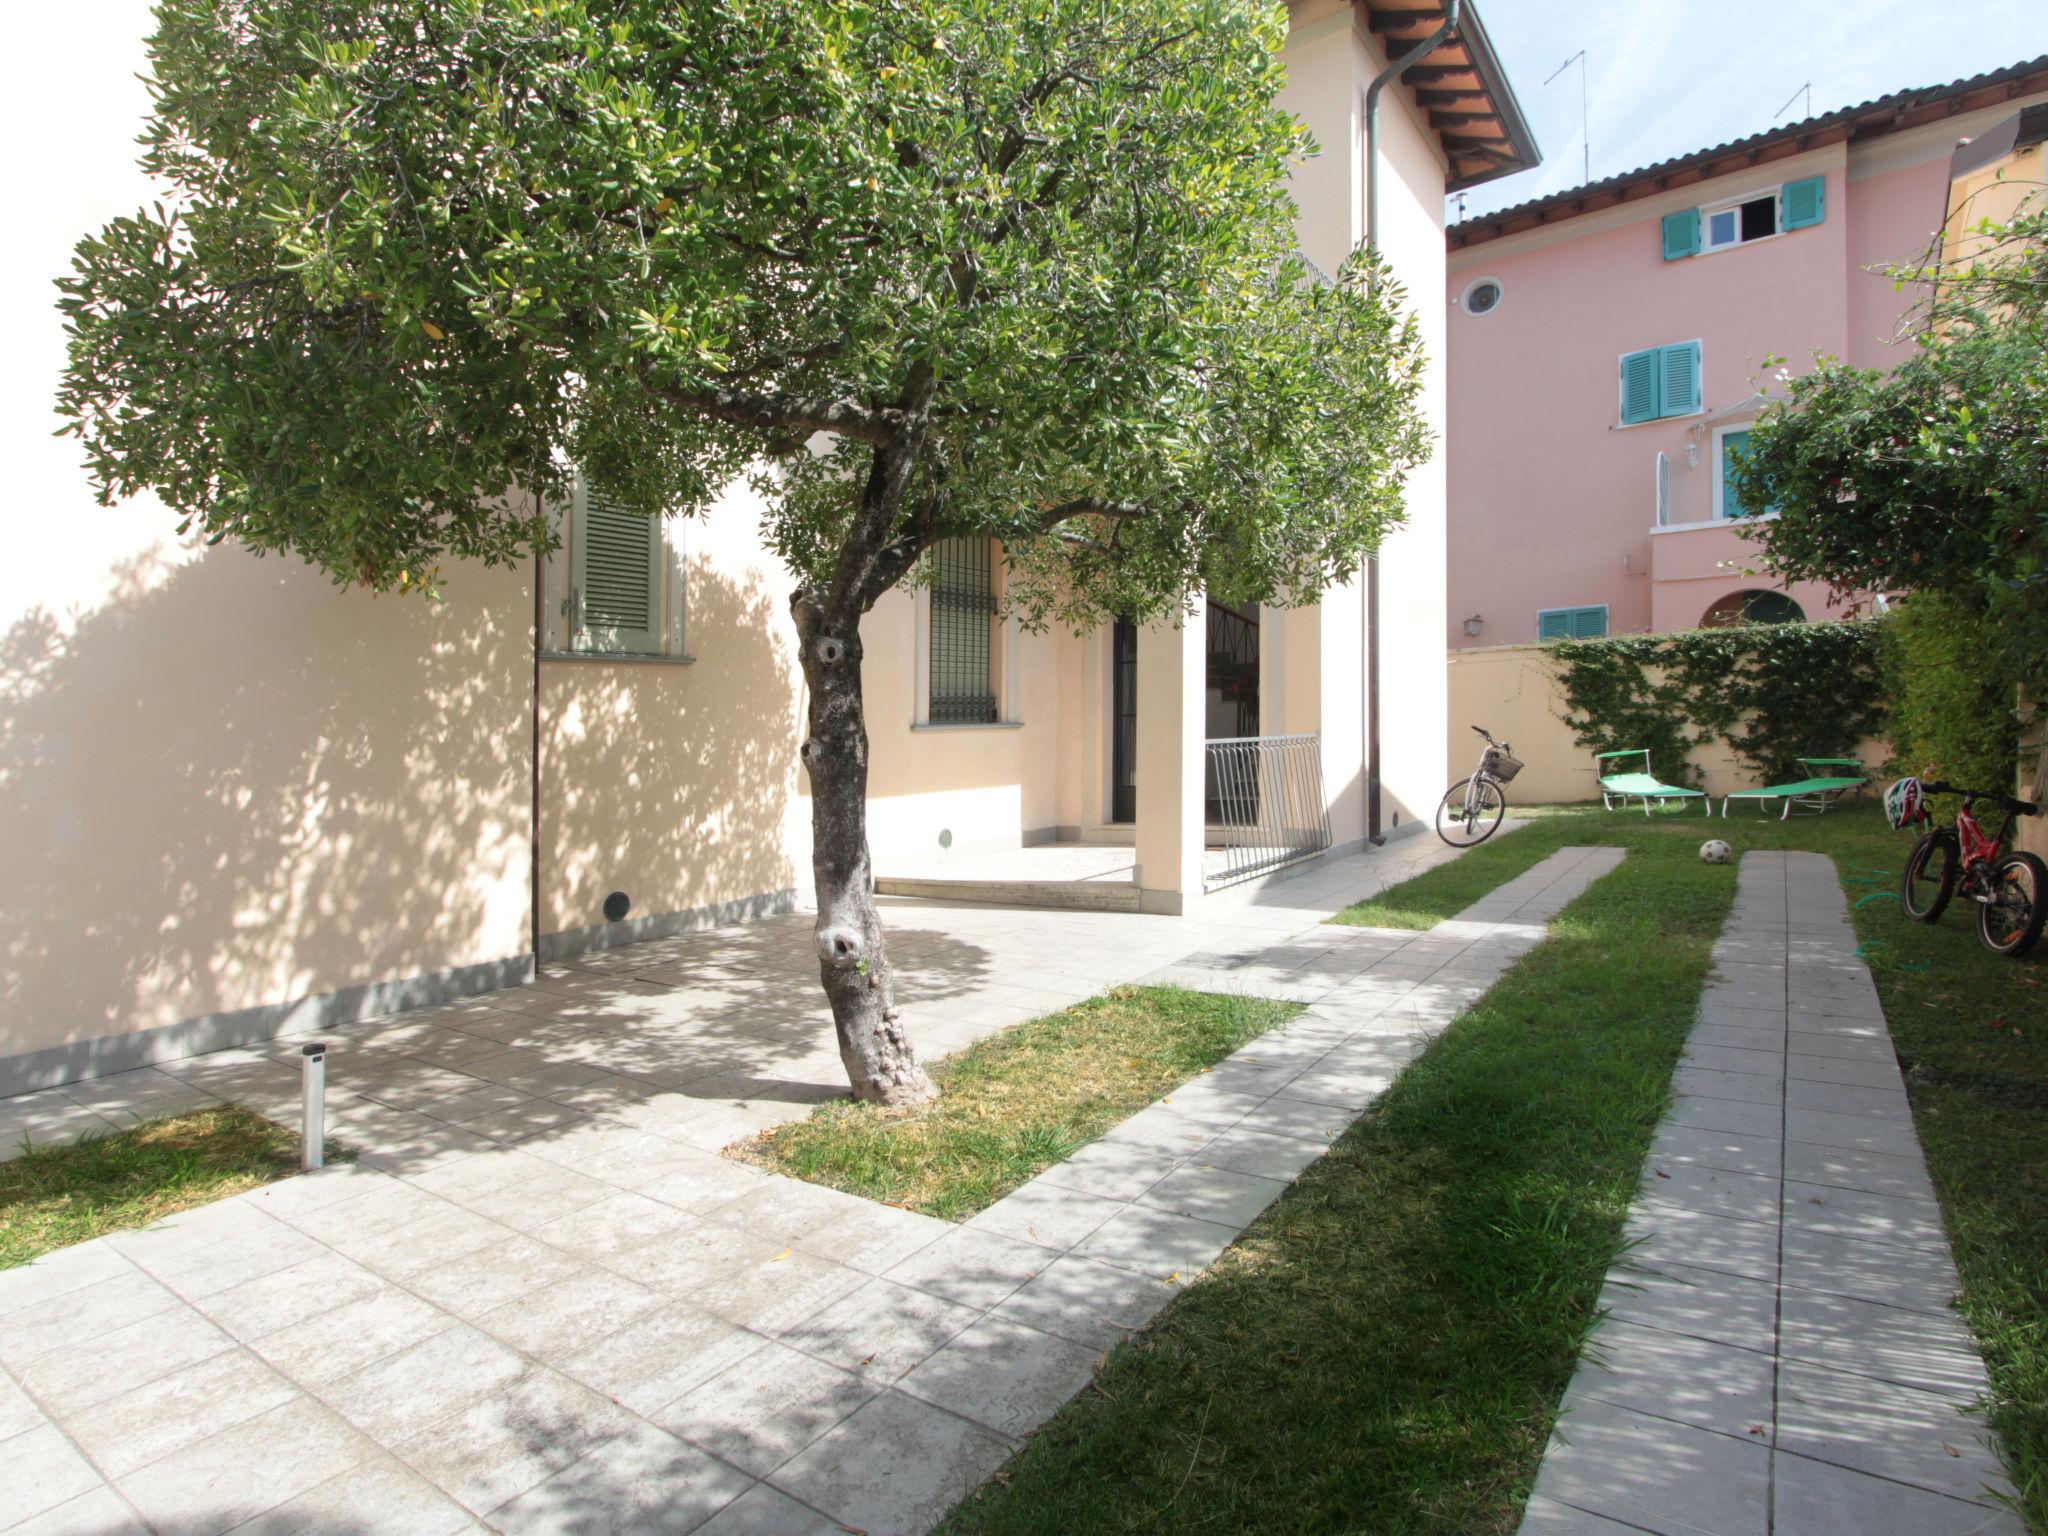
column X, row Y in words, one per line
column 1515, row 692
column 2033, row 833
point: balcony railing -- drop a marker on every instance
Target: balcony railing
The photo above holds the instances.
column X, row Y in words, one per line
column 1266, row 800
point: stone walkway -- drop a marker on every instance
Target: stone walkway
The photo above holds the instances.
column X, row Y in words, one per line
column 606, row 1326
column 1780, row 1354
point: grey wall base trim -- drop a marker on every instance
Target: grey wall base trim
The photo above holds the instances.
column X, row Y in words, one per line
column 664, row 925
column 245, row 1026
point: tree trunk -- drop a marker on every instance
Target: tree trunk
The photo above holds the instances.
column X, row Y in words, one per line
column 853, row 962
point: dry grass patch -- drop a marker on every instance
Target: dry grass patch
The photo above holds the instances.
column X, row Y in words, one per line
column 53, row 1196
column 1016, row 1103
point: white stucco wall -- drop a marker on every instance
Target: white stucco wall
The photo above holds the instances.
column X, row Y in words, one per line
column 224, row 783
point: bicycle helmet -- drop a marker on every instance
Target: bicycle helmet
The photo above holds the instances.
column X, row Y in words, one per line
column 1905, row 803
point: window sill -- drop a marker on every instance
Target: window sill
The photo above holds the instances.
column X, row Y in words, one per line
column 620, row 658
column 1719, row 522
column 967, row 725
column 1743, row 245
column 1656, row 421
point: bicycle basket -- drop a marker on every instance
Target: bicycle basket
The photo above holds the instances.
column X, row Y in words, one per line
column 1501, row 765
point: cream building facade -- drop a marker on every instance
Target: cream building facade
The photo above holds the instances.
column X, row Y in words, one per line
column 235, row 798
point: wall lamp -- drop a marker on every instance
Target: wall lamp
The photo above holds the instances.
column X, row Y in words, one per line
column 1474, row 624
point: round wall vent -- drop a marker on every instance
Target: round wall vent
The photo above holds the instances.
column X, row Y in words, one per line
column 1482, row 297
column 616, row 906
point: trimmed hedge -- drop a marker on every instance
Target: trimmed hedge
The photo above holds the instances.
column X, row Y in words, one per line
column 1953, row 698
column 1773, row 692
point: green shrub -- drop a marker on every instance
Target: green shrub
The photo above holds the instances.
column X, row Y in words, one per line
column 1953, row 705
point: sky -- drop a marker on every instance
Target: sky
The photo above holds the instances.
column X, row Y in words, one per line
column 1665, row 77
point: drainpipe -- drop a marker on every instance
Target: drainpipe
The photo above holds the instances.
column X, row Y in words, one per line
column 1369, row 631
column 540, row 583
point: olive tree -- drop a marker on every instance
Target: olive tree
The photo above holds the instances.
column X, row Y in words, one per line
column 1020, row 269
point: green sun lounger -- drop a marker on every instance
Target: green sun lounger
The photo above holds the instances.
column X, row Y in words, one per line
column 1620, row 788
column 1814, row 793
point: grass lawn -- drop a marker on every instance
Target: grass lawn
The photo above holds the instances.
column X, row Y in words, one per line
column 1971, row 1031
column 1385, row 1347
column 53, row 1196
column 1016, row 1103
column 1383, row 1351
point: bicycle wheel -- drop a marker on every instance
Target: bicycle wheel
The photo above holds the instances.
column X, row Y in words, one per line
column 1462, row 826
column 1930, row 876
column 2010, row 922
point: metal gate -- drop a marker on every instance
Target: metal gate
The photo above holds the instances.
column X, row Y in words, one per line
column 1269, row 808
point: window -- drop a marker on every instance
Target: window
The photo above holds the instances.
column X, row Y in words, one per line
column 1740, row 220
column 1571, row 623
column 962, row 623
column 1482, row 297
column 624, row 578
column 1752, row 607
column 1732, row 443
column 1660, row 382
column 1739, row 223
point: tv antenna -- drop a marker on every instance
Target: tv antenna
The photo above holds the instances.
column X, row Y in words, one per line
column 1808, row 89
column 1585, row 132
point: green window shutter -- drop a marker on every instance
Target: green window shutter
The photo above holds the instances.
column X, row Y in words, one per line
column 1639, row 387
column 1681, row 233
column 963, row 612
column 1803, row 203
column 1588, row 623
column 1678, row 381
column 1554, row 624
column 617, row 572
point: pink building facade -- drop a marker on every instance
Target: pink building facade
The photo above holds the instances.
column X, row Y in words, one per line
column 1610, row 345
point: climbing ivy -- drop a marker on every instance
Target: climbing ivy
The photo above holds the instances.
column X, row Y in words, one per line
column 1773, row 692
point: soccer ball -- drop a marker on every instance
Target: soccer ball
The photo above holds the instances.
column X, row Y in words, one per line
column 1714, row 851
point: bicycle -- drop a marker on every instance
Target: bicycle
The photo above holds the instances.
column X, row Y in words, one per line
column 1473, row 807
column 2010, row 889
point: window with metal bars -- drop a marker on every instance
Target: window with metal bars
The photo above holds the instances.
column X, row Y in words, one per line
column 963, row 615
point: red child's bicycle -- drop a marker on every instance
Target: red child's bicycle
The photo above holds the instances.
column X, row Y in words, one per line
column 2010, row 889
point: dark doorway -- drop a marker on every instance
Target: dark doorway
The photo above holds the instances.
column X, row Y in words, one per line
column 1232, row 704
column 1123, row 722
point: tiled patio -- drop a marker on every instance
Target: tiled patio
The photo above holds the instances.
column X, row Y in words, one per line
column 701, row 1039
column 1780, row 1356
column 541, row 1297
column 543, row 1302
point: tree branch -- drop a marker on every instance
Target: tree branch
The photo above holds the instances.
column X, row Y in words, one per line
column 1090, row 506
column 787, row 417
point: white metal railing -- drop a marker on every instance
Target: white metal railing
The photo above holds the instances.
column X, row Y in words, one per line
column 1265, row 799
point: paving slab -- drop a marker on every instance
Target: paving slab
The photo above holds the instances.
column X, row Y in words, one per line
column 895, row 1468
column 1779, row 1354
column 765, row 1408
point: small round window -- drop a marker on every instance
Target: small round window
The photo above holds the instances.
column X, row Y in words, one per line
column 1483, row 296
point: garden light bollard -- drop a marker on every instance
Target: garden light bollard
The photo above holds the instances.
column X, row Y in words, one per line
column 314, row 1138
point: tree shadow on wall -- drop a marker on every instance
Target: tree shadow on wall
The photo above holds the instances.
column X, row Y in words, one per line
column 673, row 784
column 231, row 784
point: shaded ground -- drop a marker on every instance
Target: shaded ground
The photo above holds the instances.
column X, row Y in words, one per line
column 52, row 1196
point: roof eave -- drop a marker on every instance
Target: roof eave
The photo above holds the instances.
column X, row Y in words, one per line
column 1521, row 138
column 1865, row 119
